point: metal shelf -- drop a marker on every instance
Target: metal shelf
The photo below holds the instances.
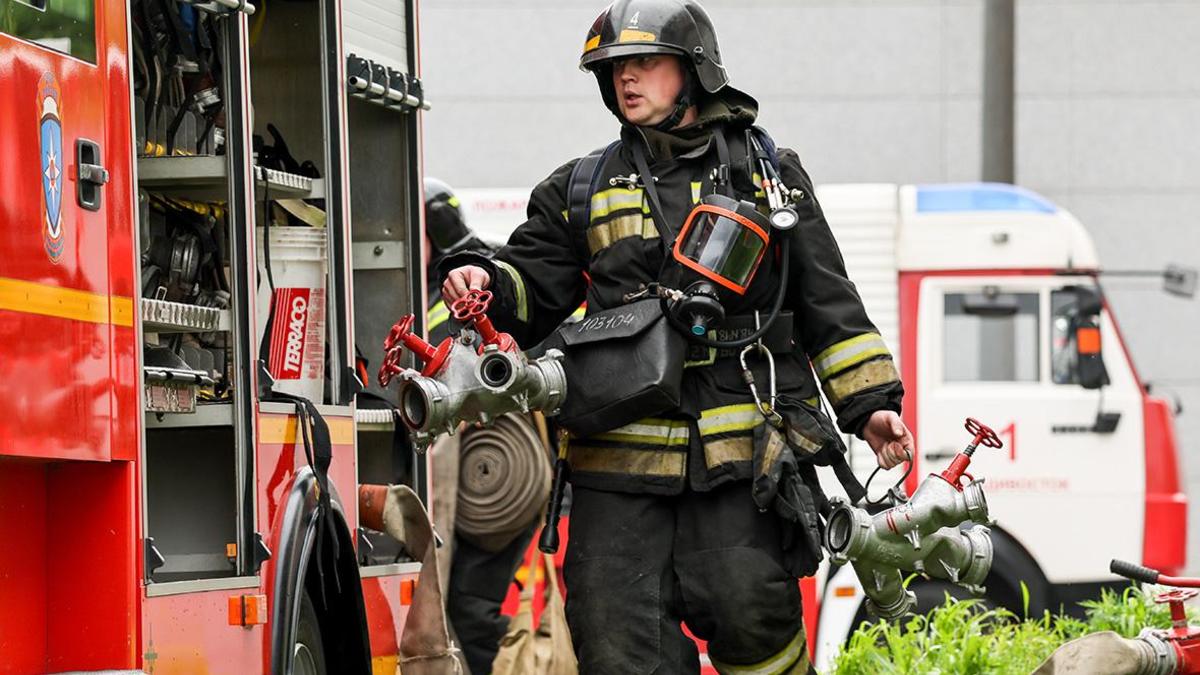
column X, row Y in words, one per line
column 206, row 415
column 203, row 177
column 205, row 172
column 161, row 316
column 288, row 185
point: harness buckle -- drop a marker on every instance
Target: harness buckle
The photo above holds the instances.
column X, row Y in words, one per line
column 630, row 182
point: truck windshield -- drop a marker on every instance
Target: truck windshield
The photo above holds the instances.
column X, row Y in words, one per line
column 67, row 26
column 991, row 339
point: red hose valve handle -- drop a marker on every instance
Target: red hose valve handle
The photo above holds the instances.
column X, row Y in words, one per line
column 401, row 336
column 1176, row 598
column 983, row 435
column 471, row 309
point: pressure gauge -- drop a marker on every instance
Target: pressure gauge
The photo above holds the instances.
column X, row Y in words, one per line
column 784, row 219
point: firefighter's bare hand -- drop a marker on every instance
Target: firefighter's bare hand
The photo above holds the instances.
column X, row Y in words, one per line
column 889, row 438
column 463, row 279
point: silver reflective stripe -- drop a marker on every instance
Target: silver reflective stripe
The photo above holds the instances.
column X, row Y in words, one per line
column 846, row 353
column 862, row 377
column 519, row 285
column 785, row 660
column 649, row 432
column 602, row 235
column 737, row 417
column 615, row 199
column 802, row 442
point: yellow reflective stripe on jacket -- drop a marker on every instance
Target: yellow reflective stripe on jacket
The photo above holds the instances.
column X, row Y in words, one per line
column 650, row 431
column 734, row 424
column 602, row 235
column 793, row 658
column 616, row 199
column 519, row 285
column 729, row 418
column 696, row 192
column 868, row 375
column 438, row 314
column 627, row 461
column 758, row 191
column 847, row 353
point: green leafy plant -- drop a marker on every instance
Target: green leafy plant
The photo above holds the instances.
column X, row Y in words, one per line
column 962, row 636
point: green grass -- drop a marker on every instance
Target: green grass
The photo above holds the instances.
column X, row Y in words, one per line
column 962, row 637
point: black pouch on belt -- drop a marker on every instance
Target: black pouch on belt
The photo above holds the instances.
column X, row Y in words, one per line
column 622, row 364
column 779, row 485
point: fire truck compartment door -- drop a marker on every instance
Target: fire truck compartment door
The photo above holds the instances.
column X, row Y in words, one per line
column 66, row 285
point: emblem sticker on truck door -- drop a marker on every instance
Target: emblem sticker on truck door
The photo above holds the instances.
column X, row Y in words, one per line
column 50, row 133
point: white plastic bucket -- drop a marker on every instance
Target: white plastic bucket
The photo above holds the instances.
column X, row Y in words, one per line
column 296, row 354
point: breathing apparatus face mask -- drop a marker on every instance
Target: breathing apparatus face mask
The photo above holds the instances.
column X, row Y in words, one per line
column 721, row 244
column 723, row 240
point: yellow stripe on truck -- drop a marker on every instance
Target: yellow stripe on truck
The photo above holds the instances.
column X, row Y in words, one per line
column 27, row 297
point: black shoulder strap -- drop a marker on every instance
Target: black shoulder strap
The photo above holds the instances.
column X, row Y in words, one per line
column 583, row 183
column 768, row 144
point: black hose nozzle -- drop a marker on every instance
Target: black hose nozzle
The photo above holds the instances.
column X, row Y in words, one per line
column 1134, row 572
column 548, row 541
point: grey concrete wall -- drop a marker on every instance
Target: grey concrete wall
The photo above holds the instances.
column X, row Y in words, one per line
column 865, row 91
column 1108, row 119
column 1108, row 125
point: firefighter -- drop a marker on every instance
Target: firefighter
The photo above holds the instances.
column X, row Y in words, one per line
column 664, row 527
column 479, row 578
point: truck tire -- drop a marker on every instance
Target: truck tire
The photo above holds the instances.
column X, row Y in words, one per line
column 931, row 594
column 308, row 652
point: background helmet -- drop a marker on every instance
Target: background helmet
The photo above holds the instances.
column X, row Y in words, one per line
column 444, row 223
column 637, row 27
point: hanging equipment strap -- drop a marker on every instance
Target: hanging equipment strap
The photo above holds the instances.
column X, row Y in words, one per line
column 722, row 179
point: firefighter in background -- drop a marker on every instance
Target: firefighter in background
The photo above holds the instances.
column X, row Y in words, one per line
column 479, row 579
column 663, row 525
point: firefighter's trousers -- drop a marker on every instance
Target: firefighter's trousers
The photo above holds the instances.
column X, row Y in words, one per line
column 479, row 582
column 637, row 565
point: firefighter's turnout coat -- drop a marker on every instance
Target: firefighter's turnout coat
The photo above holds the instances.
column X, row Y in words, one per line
column 548, row 267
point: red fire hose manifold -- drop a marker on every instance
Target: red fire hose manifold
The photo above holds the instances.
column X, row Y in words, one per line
column 459, row 383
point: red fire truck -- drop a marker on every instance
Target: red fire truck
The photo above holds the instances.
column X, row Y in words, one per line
column 180, row 248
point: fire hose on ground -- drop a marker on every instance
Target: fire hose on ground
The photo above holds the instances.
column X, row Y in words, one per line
column 1175, row 651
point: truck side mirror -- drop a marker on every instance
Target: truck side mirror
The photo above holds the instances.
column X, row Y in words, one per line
column 1180, row 281
column 1085, row 328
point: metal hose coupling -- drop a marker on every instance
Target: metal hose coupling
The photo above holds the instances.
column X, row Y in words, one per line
column 479, row 388
column 924, row 535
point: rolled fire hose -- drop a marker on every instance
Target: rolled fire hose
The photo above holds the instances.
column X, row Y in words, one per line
column 504, row 481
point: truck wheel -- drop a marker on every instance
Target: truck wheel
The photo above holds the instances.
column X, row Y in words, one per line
column 931, row 594
column 309, row 652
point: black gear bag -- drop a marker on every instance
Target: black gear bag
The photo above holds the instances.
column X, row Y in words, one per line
column 624, row 363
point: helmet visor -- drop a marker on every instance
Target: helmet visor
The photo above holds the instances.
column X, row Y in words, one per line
column 722, row 245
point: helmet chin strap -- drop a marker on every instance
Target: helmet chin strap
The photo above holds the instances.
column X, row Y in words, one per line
column 671, row 121
column 684, row 101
